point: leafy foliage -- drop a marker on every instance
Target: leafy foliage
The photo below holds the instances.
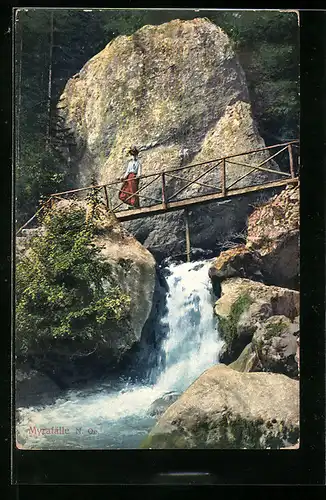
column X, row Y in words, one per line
column 62, row 287
column 267, row 43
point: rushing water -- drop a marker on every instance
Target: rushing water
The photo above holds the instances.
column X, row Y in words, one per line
column 118, row 418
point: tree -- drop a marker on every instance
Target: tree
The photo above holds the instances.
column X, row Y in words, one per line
column 48, row 131
column 268, row 47
column 40, row 169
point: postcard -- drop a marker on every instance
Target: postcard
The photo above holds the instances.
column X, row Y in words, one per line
column 157, row 282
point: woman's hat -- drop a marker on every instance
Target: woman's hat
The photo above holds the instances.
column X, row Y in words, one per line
column 133, row 151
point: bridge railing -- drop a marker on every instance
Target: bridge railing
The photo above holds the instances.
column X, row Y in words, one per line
column 213, row 176
column 208, row 177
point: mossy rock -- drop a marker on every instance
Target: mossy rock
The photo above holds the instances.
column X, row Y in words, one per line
column 276, row 328
column 228, row 326
column 174, row 439
column 229, row 432
column 276, row 346
column 247, row 361
column 226, row 409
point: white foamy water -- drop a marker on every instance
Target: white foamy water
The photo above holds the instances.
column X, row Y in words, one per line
column 192, row 344
column 103, row 418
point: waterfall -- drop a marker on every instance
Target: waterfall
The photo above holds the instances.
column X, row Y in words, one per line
column 117, row 417
column 192, row 344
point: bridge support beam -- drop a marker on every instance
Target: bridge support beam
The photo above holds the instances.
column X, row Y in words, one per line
column 188, row 249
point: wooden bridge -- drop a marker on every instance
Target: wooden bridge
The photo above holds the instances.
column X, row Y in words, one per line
column 208, row 191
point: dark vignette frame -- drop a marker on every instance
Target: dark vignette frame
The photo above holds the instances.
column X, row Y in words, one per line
column 228, row 467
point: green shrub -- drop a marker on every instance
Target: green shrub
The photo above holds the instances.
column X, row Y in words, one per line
column 63, row 286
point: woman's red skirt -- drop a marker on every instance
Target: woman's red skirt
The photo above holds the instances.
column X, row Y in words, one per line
column 129, row 188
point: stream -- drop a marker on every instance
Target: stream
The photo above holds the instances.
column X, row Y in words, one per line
column 117, row 415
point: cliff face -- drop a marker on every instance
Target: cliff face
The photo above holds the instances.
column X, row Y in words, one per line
column 177, row 91
column 262, row 320
column 271, row 253
column 273, row 232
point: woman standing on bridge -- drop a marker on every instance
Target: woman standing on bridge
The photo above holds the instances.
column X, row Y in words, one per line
column 129, row 188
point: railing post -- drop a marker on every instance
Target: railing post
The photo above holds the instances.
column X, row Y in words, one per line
column 291, row 161
column 186, row 215
column 163, row 190
column 223, row 178
column 106, row 197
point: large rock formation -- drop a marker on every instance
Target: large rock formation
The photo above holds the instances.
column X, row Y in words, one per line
column 132, row 268
column 224, row 408
column 244, row 305
column 178, row 92
column 271, row 252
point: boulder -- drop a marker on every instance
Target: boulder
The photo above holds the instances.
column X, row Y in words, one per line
column 240, row 262
column 161, row 404
column 276, row 346
column 273, row 231
column 131, row 267
column 33, row 387
column 178, row 92
column 243, row 305
column 226, row 409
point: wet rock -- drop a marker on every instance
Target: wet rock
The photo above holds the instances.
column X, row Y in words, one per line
column 237, row 262
column 216, row 281
column 226, row 409
column 161, row 404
